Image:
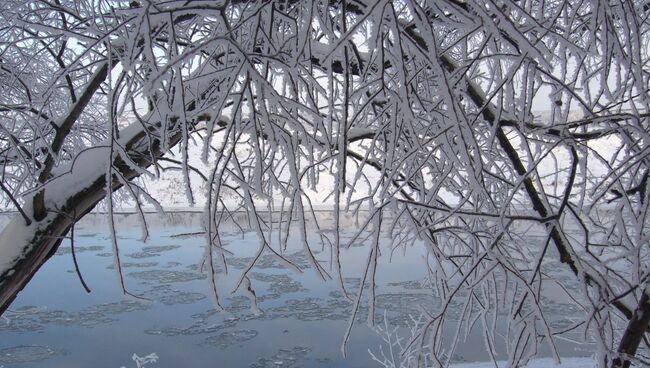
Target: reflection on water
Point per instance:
(300, 322)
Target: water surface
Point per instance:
(301, 319)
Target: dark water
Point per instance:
(55, 323)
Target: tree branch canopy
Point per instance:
(463, 127)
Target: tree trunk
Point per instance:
(35, 243)
(633, 334)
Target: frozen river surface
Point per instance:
(301, 322)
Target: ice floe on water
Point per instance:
(294, 357)
(133, 265)
(228, 338)
(167, 295)
(311, 309)
(152, 251)
(409, 285)
(200, 326)
(268, 261)
(279, 285)
(166, 276)
(26, 354)
(68, 250)
(33, 318)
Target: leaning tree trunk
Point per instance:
(67, 198)
(636, 328)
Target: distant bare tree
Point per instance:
(422, 111)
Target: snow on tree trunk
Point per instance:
(73, 192)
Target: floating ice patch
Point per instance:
(279, 285)
(26, 354)
(410, 285)
(152, 251)
(181, 297)
(134, 265)
(77, 249)
(201, 326)
(268, 261)
(166, 276)
(229, 338)
(287, 358)
(312, 309)
(32, 318)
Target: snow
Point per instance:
(402, 98)
(13, 238)
(70, 179)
